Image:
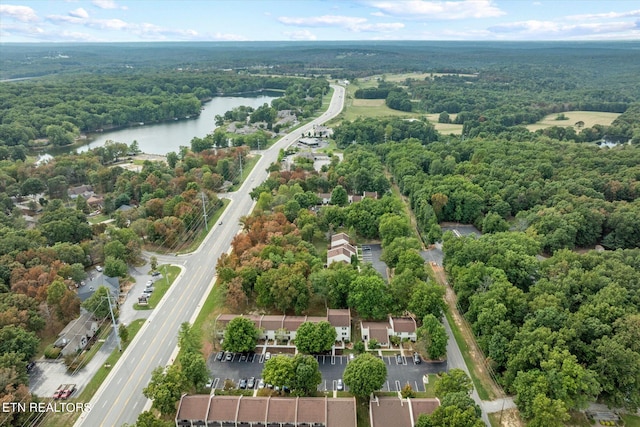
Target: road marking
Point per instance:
(119, 381)
(398, 388)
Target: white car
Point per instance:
(209, 383)
(261, 383)
(99, 269)
(340, 385)
(267, 356)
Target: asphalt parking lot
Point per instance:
(332, 367)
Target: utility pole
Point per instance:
(113, 321)
(204, 212)
(240, 159)
(258, 144)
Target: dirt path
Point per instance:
(478, 367)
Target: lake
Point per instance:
(161, 138)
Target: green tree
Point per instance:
(189, 339)
(98, 303)
(148, 419)
(427, 298)
(548, 412)
(370, 296)
(314, 338)
(279, 371)
(14, 339)
(365, 374)
(339, 196)
(153, 263)
(115, 249)
(307, 375)
(455, 381)
(241, 335)
(433, 335)
(194, 368)
(165, 388)
(115, 267)
(32, 186)
(82, 205)
(392, 226)
(123, 333)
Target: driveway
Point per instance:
(371, 254)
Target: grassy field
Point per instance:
(69, 418)
(445, 128)
(589, 118)
(631, 420)
(355, 108)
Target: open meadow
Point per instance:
(589, 118)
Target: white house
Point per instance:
(340, 319)
(401, 327)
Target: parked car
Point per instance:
(57, 393)
(398, 358)
(243, 357)
(261, 383)
(339, 385)
(99, 269)
(209, 383)
(416, 358)
(243, 383)
(267, 356)
(67, 392)
(220, 356)
(30, 366)
(155, 274)
(149, 282)
(229, 356)
(251, 382)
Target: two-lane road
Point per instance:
(119, 400)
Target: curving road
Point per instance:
(119, 400)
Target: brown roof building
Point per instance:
(236, 411)
(391, 411)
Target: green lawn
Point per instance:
(631, 420)
(161, 286)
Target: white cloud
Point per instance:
(300, 35)
(107, 4)
(350, 23)
(436, 10)
(20, 13)
(323, 21)
(379, 28)
(79, 13)
(551, 30)
(609, 15)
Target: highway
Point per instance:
(119, 400)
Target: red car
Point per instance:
(57, 393)
(67, 392)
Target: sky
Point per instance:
(40, 21)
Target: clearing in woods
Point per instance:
(589, 118)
